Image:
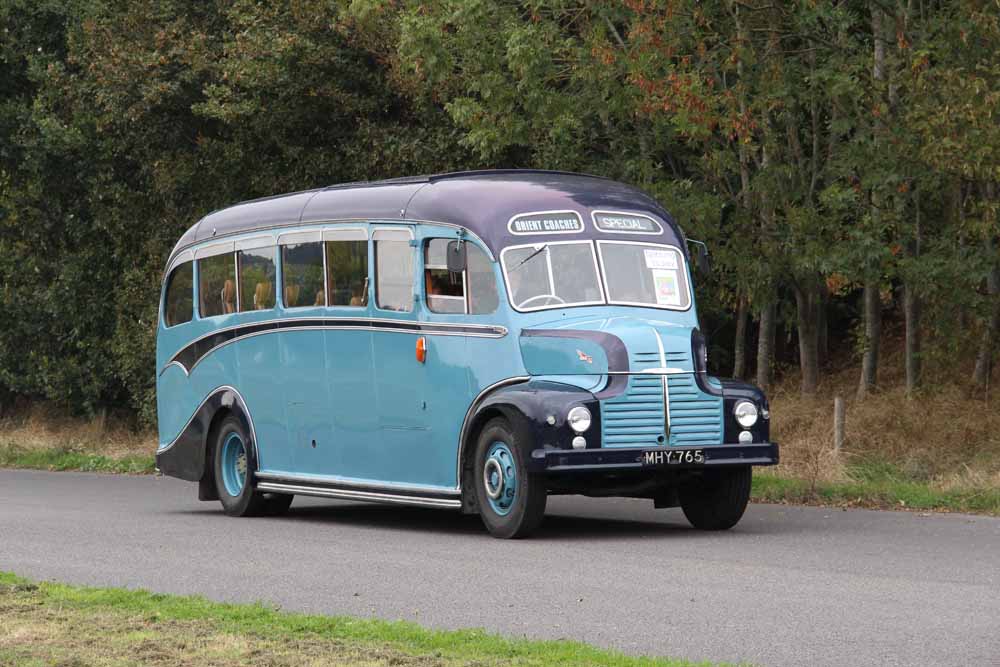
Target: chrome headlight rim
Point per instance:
(579, 419)
(746, 413)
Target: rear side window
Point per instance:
(393, 271)
(483, 297)
(256, 279)
(347, 269)
(217, 285)
(178, 306)
(302, 275)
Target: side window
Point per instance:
(445, 290)
(256, 279)
(347, 272)
(217, 285)
(393, 270)
(474, 291)
(483, 297)
(302, 275)
(178, 306)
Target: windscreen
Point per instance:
(547, 275)
(644, 274)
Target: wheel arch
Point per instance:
(188, 456)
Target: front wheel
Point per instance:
(717, 500)
(511, 500)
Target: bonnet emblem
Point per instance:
(584, 356)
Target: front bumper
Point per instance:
(614, 460)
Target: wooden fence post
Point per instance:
(838, 423)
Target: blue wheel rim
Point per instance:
(500, 478)
(234, 464)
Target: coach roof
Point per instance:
(481, 201)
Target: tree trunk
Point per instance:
(807, 302)
(765, 346)
(740, 344)
(911, 312)
(823, 335)
(873, 334)
(988, 343)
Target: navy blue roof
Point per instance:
(481, 201)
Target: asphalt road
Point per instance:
(788, 586)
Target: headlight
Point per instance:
(579, 419)
(745, 413)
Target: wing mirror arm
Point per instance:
(702, 259)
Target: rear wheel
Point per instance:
(511, 500)
(718, 499)
(234, 465)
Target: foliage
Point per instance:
(851, 143)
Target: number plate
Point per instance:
(673, 457)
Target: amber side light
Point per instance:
(421, 349)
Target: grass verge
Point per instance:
(49, 623)
(874, 487)
(12, 456)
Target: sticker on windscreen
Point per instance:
(667, 286)
(626, 223)
(547, 222)
(660, 259)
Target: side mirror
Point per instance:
(703, 261)
(456, 256)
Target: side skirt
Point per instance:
(388, 495)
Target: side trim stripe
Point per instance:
(355, 494)
(189, 356)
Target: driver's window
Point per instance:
(472, 291)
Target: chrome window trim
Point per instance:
(597, 269)
(593, 219)
(333, 221)
(576, 214)
(297, 238)
(683, 267)
(214, 250)
(345, 234)
(255, 243)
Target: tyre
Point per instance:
(718, 499)
(511, 500)
(234, 466)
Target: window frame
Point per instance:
(535, 244)
(255, 243)
(208, 252)
(683, 267)
(373, 269)
(437, 267)
(341, 235)
(295, 238)
(180, 261)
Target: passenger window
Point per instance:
(256, 279)
(302, 275)
(393, 271)
(178, 307)
(445, 290)
(347, 269)
(474, 291)
(217, 285)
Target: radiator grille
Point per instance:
(636, 419)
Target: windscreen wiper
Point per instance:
(545, 246)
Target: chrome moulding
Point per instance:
(342, 493)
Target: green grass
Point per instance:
(12, 456)
(872, 484)
(50, 623)
(876, 486)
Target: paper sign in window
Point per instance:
(660, 259)
(666, 284)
